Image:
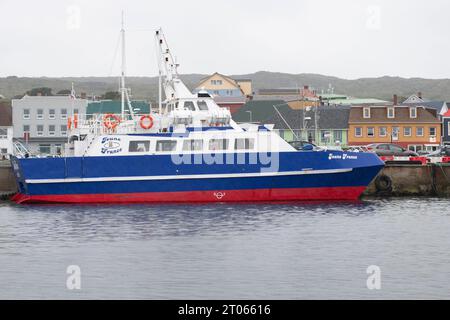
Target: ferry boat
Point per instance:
(190, 150)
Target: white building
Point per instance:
(6, 130)
(40, 122)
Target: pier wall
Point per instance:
(7, 181)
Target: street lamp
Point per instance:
(250, 114)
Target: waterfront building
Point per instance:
(223, 86)
(413, 127)
(40, 122)
(446, 128)
(6, 130)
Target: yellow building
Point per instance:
(412, 127)
(220, 85)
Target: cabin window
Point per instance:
(45, 148)
(245, 144)
(383, 131)
(413, 112)
(407, 131)
(26, 113)
(189, 105)
(202, 105)
(166, 145)
(193, 145)
(419, 131)
(218, 144)
(139, 146)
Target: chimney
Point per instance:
(306, 87)
(419, 94)
(395, 100)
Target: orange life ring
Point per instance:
(146, 126)
(69, 123)
(75, 120)
(108, 123)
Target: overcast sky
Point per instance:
(344, 38)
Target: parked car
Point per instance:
(300, 144)
(442, 152)
(389, 149)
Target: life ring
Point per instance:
(69, 123)
(383, 183)
(108, 123)
(75, 120)
(150, 123)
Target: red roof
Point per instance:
(447, 114)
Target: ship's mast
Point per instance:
(123, 90)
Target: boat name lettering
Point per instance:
(343, 156)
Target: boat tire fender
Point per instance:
(383, 183)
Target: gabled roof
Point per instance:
(227, 78)
(260, 110)
(437, 105)
(414, 98)
(5, 114)
(329, 118)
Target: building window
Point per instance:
(26, 114)
(371, 132)
(218, 144)
(26, 128)
(383, 131)
(407, 131)
(391, 112)
(448, 128)
(395, 131)
(366, 112)
(51, 130)
(337, 135)
(63, 114)
(413, 112)
(245, 144)
(358, 132)
(139, 146)
(63, 130)
(325, 135)
(432, 132)
(40, 130)
(415, 148)
(3, 133)
(4, 151)
(51, 114)
(58, 149)
(166, 145)
(40, 114)
(216, 82)
(44, 148)
(419, 131)
(193, 145)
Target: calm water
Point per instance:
(264, 251)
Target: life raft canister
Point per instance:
(149, 121)
(75, 120)
(69, 123)
(111, 124)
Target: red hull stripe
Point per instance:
(302, 194)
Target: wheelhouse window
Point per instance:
(370, 131)
(407, 131)
(40, 114)
(45, 148)
(419, 131)
(189, 105)
(192, 145)
(358, 132)
(139, 146)
(366, 112)
(391, 112)
(63, 129)
(383, 131)
(218, 144)
(202, 106)
(166, 145)
(40, 130)
(51, 130)
(413, 112)
(26, 114)
(245, 144)
(63, 113)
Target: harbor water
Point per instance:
(223, 251)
